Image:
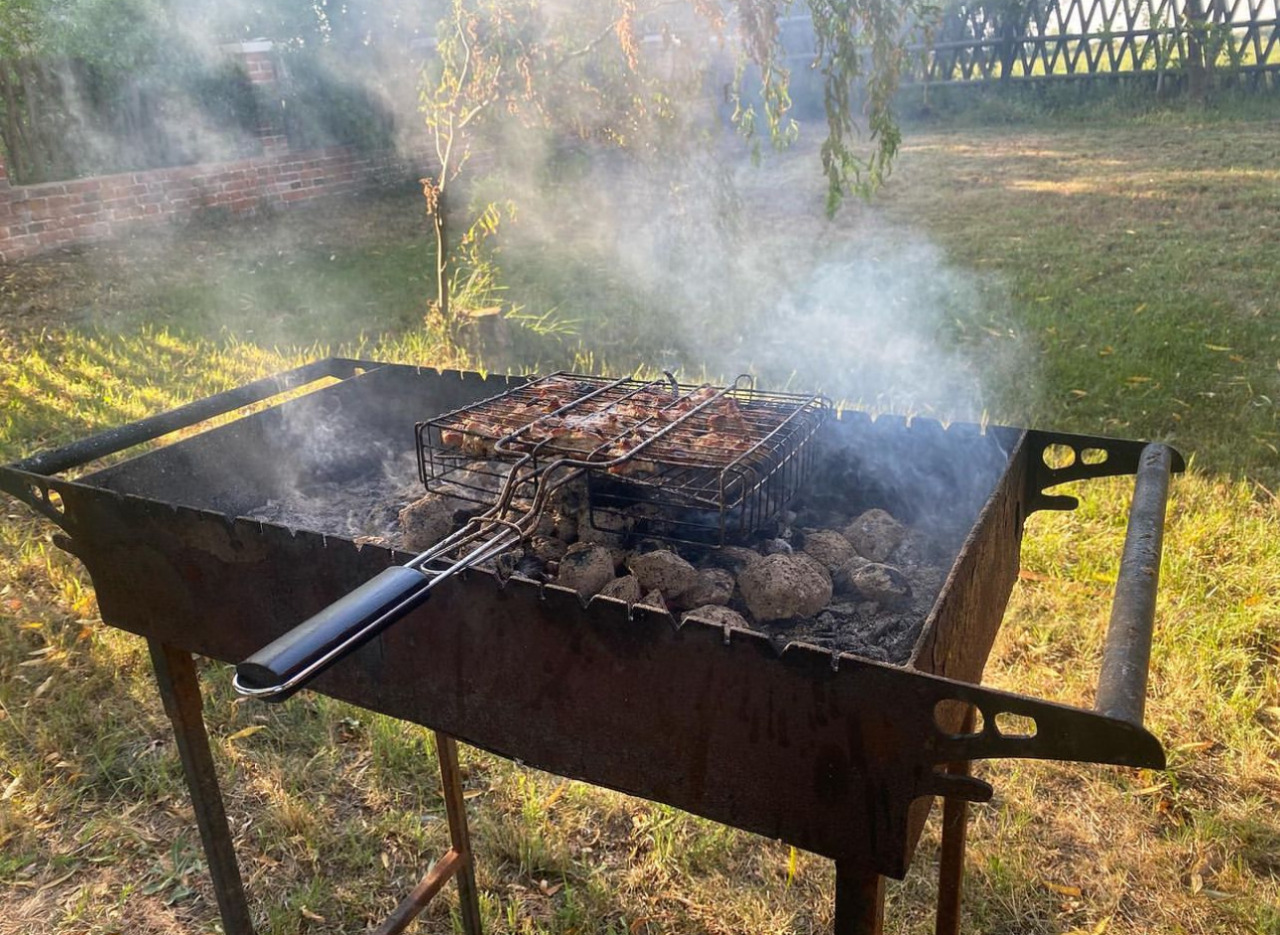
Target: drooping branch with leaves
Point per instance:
(582, 73)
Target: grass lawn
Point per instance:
(1121, 278)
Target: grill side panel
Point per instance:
(786, 746)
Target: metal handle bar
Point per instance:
(135, 433)
(1122, 683)
(1112, 732)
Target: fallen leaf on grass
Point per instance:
(550, 890)
(1060, 889)
(1194, 747)
(555, 795)
(1217, 347)
(247, 731)
(313, 916)
(44, 687)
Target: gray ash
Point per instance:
(364, 507)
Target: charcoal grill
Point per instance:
(795, 744)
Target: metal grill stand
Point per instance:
(180, 691)
(859, 902)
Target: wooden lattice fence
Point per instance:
(1013, 39)
(1041, 40)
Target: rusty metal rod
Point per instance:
(859, 900)
(955, 824)
(455, 806)
(180, 691)
(1122, 684)
(416, 901)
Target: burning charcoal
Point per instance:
(533, 568)
(547, 548)
(875, 534)
(586, 568)
(776, 547)
(734, 558)
(654, 600)
(718, 615)
(381, 541)
(883, 584)
(603, 527)
(829, 547)
(507, 563)
(843, 576)
(626, 588)
(781, 586)
(425, 522)
(663, 571)
(714, 586)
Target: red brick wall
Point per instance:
(34, 218)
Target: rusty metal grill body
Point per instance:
(833, 753)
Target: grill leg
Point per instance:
(180, 689)
(859, 900)
(455, 807)
(955, 821)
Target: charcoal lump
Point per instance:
(781, 586)
(425, 522)
(843, 576)
(547, 549)
(719, 615)
(732, 557)
(883, 584)
(875, 534)
(626, 588)
(586, 568)
(829, 547)
(654, 600)
(714, 586)
(663, 571)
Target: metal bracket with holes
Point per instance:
(1059, 458)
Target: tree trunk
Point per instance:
(442, 258)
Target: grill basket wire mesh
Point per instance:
(695, 477)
